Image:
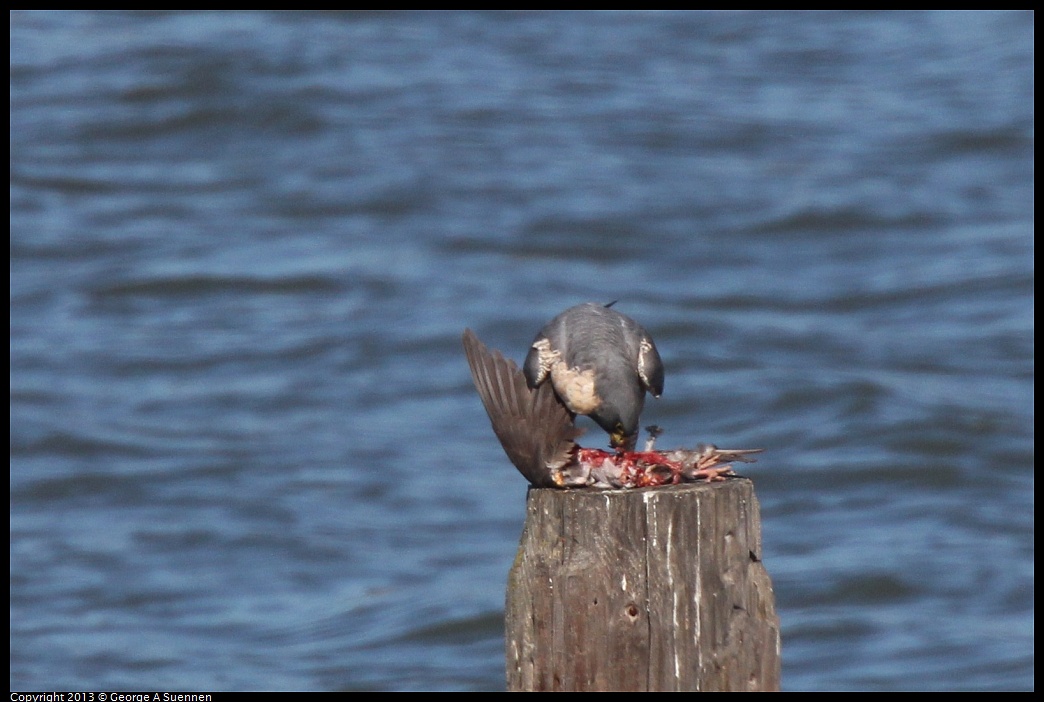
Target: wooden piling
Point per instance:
(650, 589)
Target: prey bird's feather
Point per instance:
(534, 427)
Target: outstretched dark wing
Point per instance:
(534, 427)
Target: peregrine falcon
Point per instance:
(601, 363)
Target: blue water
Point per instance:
(245, 448)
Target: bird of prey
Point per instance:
(600, 364)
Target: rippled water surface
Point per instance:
(245, 448)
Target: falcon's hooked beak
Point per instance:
(621, 441)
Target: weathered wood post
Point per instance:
(644, 589)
